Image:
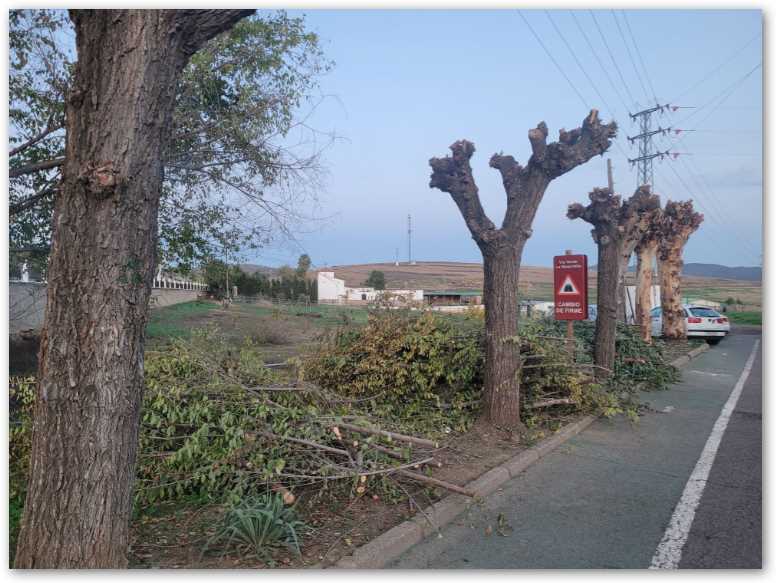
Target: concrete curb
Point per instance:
(682, 360)
(392, 543)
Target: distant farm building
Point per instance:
(453, 298)
(332, 290)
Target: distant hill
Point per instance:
(715, 271)
(251, 268)
(535, 282)
(723, 271)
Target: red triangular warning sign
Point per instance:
(568, 288)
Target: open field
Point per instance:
(535, 282)
(749, 318)
(281, 331)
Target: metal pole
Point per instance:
(570, 327)
(226, 261)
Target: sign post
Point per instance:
(570, 273)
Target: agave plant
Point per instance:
(259, 524)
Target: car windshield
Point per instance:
(704, 313)
(655, 312)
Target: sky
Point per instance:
(407, 84)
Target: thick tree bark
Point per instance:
(606, 320)
(502, 350)
(674, 323)
(646, 254)
(502, 247)
(678, 221)
(618, 227)
(87, 413)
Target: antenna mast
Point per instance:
(409, 240)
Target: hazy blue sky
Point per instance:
(408, 83)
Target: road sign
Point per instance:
(570, 287)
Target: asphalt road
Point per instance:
(606, 498)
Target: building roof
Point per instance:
(464, 292)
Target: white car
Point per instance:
(702, 322)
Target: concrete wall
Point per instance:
(27, 303)
(169, 297)
(26, 306)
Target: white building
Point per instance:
(332, 290)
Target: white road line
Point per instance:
(669, 551)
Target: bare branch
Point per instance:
(199, 26)
(49, 129)
(30, 201)
(573, 148)
(35, 167)
(453, 174)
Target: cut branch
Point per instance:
(390, 435)
(436, 482)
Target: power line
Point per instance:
(638, 53)
(709, 210)
(539, 40)
(579, 64)
(619, 72)
(711, 231)
(700, 180)
(713, 201)
(722, 96)
(630, 56)
(717, 68)
(600, 63)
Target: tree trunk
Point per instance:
(101, 267)
(501, 403)
(621, 294)
(606, 321)
(624, 259)
(674, 323)
(646, 257)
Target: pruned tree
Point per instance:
(90, 382)
(678, 221)
(617, 228)
(502, 247)
(646, 205)
(646, 254)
